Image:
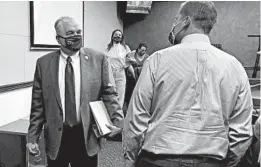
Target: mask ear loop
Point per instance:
(186, 26)
(171, 35)
(59, 36)
(188, 21)
(171, 38)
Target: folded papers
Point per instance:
(101, 118)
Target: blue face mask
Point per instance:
(177, 28)
(73, 43)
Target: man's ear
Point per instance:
(187, 21)
(57, 39)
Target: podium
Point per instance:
(13, 152)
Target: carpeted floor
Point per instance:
(111, 155)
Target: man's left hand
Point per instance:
(114, 130)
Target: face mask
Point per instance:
(73, 43)
(141, 52)
(177, 28)
(117, 39)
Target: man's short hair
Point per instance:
(62, 20)
(204, 14)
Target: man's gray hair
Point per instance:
(203, 13)
(62, 20)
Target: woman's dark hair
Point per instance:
(142, 45)
(109, 46)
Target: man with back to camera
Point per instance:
(65, 81)
(192, 105)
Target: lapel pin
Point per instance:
(86, 57)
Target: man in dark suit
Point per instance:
(65, 81)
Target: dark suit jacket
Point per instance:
(46, 108)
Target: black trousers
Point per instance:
(72, 150)
(130, 85)
(147, 159)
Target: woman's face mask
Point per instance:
(73, 43)
(117, 39)
(177, 28)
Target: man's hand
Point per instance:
(33, 148)
(114, 130)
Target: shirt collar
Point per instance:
(196, 38)
(117, 44)
(74, 56)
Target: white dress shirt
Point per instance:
(77, 75)
(117, 55)
(190, 98)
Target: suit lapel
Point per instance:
(54, 76)
(85, 73)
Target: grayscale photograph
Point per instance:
(130, 84)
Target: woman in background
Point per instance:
(117, 52)
(136, 58)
